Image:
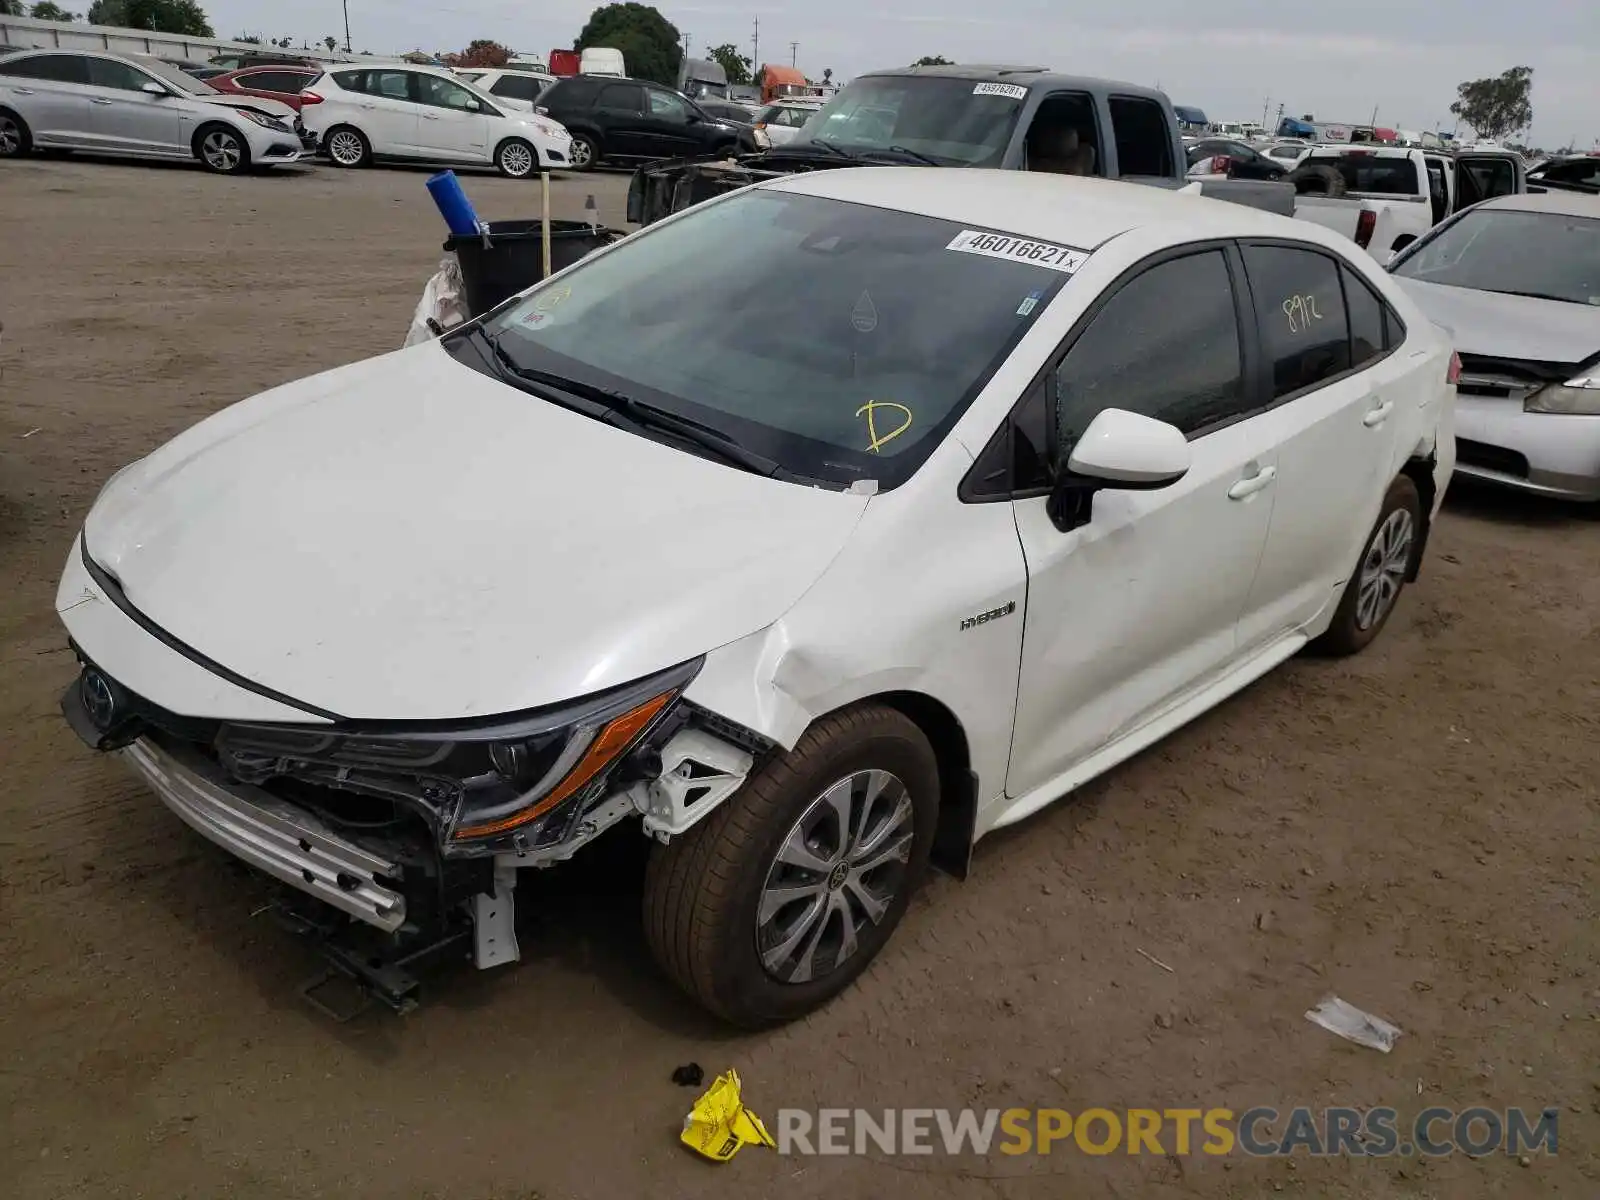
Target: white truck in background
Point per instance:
(1386, 197)
(599, 60)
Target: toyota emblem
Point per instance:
(98, 699)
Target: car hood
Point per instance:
(267, 108)
(406, 538)
(1494, 325)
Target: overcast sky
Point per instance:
(1336, 59)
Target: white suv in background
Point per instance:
(392, 111)
(513, 89)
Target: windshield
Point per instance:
(180, 80)
(839, 340)
(1552, 255)
(959, 122)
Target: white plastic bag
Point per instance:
(444, 299)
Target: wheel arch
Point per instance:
(958, 782)
(1420, 470)
(211, 123)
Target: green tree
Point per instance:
(651, 45)
(161, 16)
(11, 8)
(331, 42)
(934, 60)
(734, 65)
(1497, 106)
(45, 10)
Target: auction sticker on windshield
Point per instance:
(1011, 91)
(1039, 254)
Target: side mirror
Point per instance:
(1123, 451)
(154, 89)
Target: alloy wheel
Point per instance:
(1383, 571)
(10, 136)
(345, 148)
(579, 153)
(516, 160)
(837, 872)
(221, 150)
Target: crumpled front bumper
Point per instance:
(659, 189)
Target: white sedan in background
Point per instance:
(357, 631)
(778, 124)
(402, 113)
(1516, 280)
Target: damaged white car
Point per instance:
(815, 583)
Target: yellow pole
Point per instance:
(544, 186)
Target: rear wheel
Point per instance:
(516, 159)
(1374, 588)
(15, 140)
(347, 147)
(222, 150)
(776, 901)
(584, 153)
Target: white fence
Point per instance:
(28, 33)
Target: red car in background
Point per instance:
(278, 82)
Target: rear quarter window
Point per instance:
(351, 81)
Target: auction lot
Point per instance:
(1416, 830)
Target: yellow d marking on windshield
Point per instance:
(546, 301)
(870, 411)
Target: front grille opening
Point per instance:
(1491, 458)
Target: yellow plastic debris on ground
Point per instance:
(719, 1124)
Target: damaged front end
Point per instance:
(397, 841)
(659, 189)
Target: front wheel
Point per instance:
(775, 902)
(222, 151)
(1386, 561)
(584, 154)
(516, 159)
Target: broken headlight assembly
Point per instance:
(516, 784)
(1577, 397)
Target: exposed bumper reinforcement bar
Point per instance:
(274, 837)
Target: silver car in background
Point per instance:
(1516, 281)
(138, 106)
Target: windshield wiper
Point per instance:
(607, 402)
(909, 153)
(820, 142)
(1533, 295)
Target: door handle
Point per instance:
(430, 116)
(1378, 414)
(98, 100)
(1252, 484)
(23, 91)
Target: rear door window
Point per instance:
(60, 68)
(105, 73)
(1300, 314)
(286, 83)
(1143, 137)
(351, 81)
(622, 97)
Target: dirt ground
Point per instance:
(1415, 830)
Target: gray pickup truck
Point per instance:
(1010, 118)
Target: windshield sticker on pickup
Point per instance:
(1010, 91)
(1039, 254)
(1301, 311)
(876, 441)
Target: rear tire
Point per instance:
(1387, 560)
(516, 159)
(15, 138)
(775, 902)
(347, 147)
(222, 149)
(584, 154)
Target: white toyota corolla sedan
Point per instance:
(815, 584)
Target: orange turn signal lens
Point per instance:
(612, 740)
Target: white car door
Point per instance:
(50, 92)
(387, 113)
(1138, 606)
(125, 119)
(453, 125)
(1337, 406)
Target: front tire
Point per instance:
(15, 138)
(1386, 563)
(584, 154)
(774, 903)
(516, 159)
(222, 150)
(347, 147)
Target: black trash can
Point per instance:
(514, 258)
